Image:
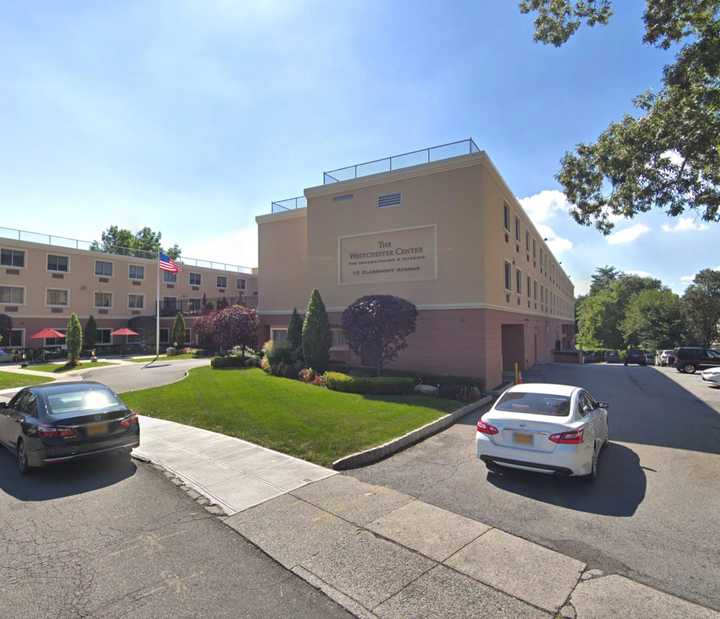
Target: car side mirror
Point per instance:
(604, 405)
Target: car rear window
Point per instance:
(534, 403)
(81, 401)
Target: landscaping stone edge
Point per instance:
(375, 454)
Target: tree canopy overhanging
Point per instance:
(668, 156)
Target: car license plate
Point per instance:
(522, 439)
(96, 429)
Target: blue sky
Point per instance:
(190, 117)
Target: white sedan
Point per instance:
(557, 429)
(712, 376)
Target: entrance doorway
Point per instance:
(513, 347)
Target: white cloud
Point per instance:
(556, 243)
(545, 205)
(237, 247)
(685, 224)
(675, 157)
(687, 279)
(627, 235)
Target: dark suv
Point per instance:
(635, 355)
(691, 358)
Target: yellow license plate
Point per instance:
(96, 429)
(522, 439)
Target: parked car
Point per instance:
(689, 359)
(63, 421)
(556, 429)
(664, 357)
(635, 355)
(649, 358)
(711, 375)
(612, 356)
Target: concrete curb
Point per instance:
(375, 454)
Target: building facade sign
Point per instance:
(402, 255)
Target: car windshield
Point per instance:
(81, 401)
(534, 404)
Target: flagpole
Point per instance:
(157, 308)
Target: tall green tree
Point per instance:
(653, 320)
(117, 240)
(316, 334)
(602, 278)
(179, 330)
(702, 307)
(90, 337)
(667, 156)
(74, 339)
(294, 333)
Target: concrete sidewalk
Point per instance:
(230, 472)
(381, 553)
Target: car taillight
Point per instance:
(574, 437)
(56, 432)
(130, 420)
(486, 428)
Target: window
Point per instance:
(16, 338)
(12, 257)
(534, 403)
(241, 284)
(12, 295)
(169, 304)
(136, 271)
(164, 335)
(278, 336)
(527, 240)
(103, 299)
(534, 248)
(535, 290)
(194, 305)
(136, 301)
(517, 228)
(221, 281)
(58, 264)
(195, 279)
(104, 337)
(528, 289)
(518, 281)
(338, 339)
(104, 269)
(169, 277)
(57, 297)
(508, 276)
(506, 216)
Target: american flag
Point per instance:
(168, 264)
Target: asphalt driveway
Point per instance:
(133, 376)
(653, 513)
(114, 538)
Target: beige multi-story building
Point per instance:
(438, 227)
(444, 233)
(43, 279)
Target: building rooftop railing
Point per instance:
(61, 241)
(289, 204)
(405, 160)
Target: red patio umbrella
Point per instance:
(45, 333)
(124, 331)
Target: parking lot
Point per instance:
(651, 515)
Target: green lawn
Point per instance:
(306, 421)
(59, 368)
(146, 358)
(8, 380)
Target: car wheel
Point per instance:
(689, 368)
(21, 458)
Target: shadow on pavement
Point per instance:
(618, 490)
(65, 479)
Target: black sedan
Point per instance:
(635, 355)
(58, 422)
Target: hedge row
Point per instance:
(233, 361)
(370, 385)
